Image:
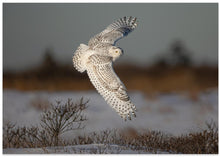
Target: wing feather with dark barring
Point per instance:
(114, 32)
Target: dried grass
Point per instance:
(151, 79)
(204, 142)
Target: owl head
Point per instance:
(115, 52)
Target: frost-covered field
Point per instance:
(174, 114)
(86, 149)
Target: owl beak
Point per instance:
(122, 51)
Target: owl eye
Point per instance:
(116, 51)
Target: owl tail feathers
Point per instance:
(79, 58)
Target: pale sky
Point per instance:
(28, 29)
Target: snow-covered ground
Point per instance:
(91, 148)
(82, 149)
(170, 113)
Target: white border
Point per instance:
(85, 1)
(110, 1)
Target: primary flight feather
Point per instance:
(97, 58)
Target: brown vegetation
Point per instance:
(204, 142)
(152, 79)
(67, 117)
(172, 70)
(55, 121)
(60, 118)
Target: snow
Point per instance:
(172, 113)
(79, 149)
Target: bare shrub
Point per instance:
(16, 137)
(8, 134)
(113, 141)
(205, 142)
(62, 118)
(54, 122)
(69, 116)
(80, 140)
(100, 137)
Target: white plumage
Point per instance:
(97, 59)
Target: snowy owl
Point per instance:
(97, 59)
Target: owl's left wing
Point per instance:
(107, 83)
(115, 31)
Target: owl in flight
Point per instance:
(97, 59)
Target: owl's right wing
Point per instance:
(115, 31)
(107, 83)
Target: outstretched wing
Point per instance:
(117, 30)
(108, 85)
